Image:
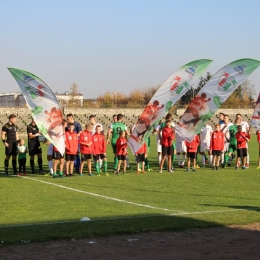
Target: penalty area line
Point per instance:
(103, 196)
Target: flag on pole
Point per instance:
(165, 97)
(212, 96)
(255, 122)
(44, 106)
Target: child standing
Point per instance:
(85, 140)
(99, 150)
(167, 148)
(242, 140)
(71, 144)
(258, 140)
(22, 150)
(216, 146)
(140, 158)
(121, 151)
(192, 148)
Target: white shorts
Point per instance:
(204, 147)
(50, 149)
(181, 147)
(159, 146)
(226, 147)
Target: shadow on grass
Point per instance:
(99, 227)
(249, 208)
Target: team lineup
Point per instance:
(217, 147)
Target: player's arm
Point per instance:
(109, 134)
(3, 138)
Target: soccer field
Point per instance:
(40, 208)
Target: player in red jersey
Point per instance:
(86, 141)
(242, 140)
(140, 158)
(258, 140)
(71, 144)
(216, 146)
(166, 139)
(99, 150)
(192, 148)
(121, 151)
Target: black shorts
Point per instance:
(99, 156)
(56, 155)
(140, 157)
(241, 152)
(70, 157)
(191, 155)
(12, 148)
(167, 150)
(121, 157)
(34, 148)
(216, 152)
(85, 156)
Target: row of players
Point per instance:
(9, 137)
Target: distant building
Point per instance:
(65, 98)
(14, 99)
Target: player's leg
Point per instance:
(39, 155)
(55, 164)
(194, 163)
(89, 168)
(6, 162)
(118, 165)
(81, 167)
(124, 166)
(32, 163)
(104, 160)
(61, 166)
(188, 163)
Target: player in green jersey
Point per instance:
(114, 130)
(231, 138)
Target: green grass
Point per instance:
(181, 200)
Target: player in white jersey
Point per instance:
(245, 129)
(205, 138)
(224, 129)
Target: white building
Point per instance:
(13, 99)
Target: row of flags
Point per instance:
(47, 113)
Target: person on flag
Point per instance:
(223, 128)
(121, 151)
(167, 138)
(99, 150)
(205, 136)
(114, 130)
(78, 130)
(245, 128)
(85, 141)
(231, 139)
(242, 139)
(216, 146)
(34, 146)
(9, 137)
(191, 152)
(71, 143)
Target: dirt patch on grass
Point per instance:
(235, 242)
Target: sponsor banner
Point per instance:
(44, 106)
(165, 97)
(213, 95)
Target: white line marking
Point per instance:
(102, 196)
(205, 212)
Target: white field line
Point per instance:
(102, 196)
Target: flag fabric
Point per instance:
(255, 122)
(165, 97)
(44, 106)
(212, 96)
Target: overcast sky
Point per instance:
(111, 45)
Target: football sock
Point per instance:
(105, 166)
(97, 167)
(6, 165)
(40, 163)
(50, 164)
(14, 165)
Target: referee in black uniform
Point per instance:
(9, 138)
(34, 146)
